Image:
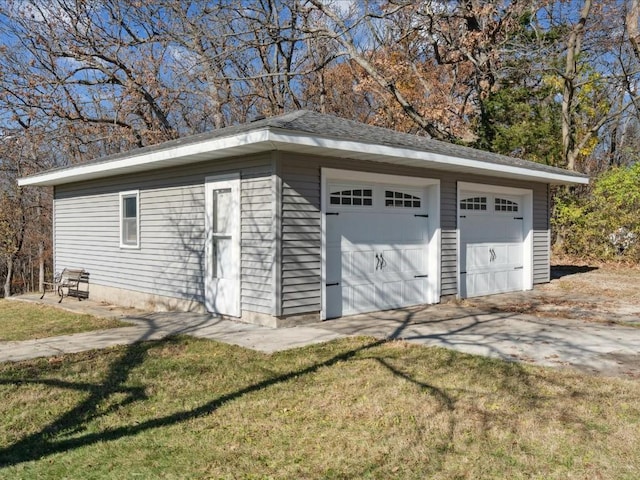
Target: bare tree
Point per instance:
(24, 212)
(87, 63)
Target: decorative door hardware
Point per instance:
(380, 261)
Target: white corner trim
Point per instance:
(323, 242)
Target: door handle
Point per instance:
(377, 261)
(383, 262)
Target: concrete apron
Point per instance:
(594, 347)
(155, 326)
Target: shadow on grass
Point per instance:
(65, 433)
(559, 271)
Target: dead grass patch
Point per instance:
(354, 408)
(24, 321)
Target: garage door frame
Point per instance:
(527, 233)
(432, 186)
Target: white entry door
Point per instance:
(222, 249)
(491, 244)
(377, 246)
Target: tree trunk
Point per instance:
(7, 281)
(633, 29)
(40, 267)
(574, 47)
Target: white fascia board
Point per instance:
(434, 159)
(139, 162)
(269, 138)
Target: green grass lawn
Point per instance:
(24, 321)
(353, 408)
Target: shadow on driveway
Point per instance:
(493, 329)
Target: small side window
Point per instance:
(129, 219)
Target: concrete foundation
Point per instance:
(160, 303)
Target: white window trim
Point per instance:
(130, 193)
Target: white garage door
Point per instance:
(376, 248)
(491, 243)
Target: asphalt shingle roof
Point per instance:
(330, 126)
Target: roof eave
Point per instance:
(269, 138)
(283, 140)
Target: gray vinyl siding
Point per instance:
(257, 240)
(170, 260)
(449, 236)
(300, 239)
(301, 228)
(541, 234)
(280, 229)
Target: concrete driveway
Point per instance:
(498, 326)
(486, 329)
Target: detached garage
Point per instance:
(302, 217)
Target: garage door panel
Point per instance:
(480, 283)
(389, 295)
(399, 229)
(500, 281)
(516, 280)
(374, 253)
(404, 260)
(335, 294)
(507, 281)
(333, 265)
(360, 298)
(351, 228)
(477, 257)
(493, 256)
(509, 254)
(358, 264)
(487, 228)
(491, 248)
(413, 292)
